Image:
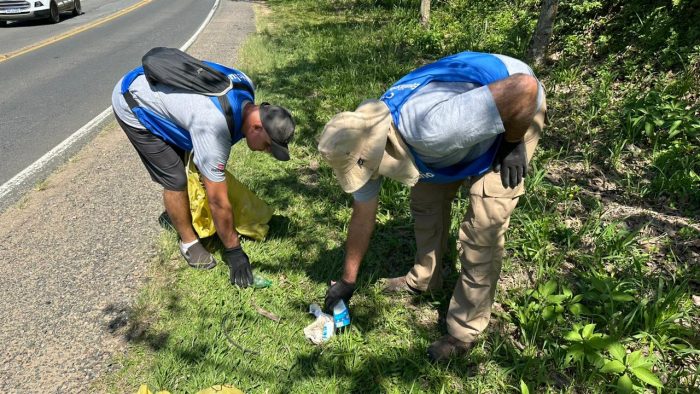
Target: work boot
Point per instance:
(447, 347)
(398, 285)
(198, 257)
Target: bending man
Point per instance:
(470, 118)
(164, 123)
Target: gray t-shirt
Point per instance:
(449, 122)
(196, 113)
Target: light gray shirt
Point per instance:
(196, 113)
(449, 122)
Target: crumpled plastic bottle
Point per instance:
(260, 282)
(322, 329)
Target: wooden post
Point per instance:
(424, 12)
(537, 51)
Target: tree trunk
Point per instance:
(537, 51)
(424, 12)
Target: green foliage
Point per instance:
(662, 120)
(586, 345)
(627, 365)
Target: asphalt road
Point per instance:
(48, 93)
(76, 251)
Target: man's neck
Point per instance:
(247, 109)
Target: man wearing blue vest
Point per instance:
(469, 119)
(164, 123)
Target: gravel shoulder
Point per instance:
(76, 249)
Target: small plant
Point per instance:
(587, 345)
(633, 369)
(555, 305)
(543, 306)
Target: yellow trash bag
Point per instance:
(250, 213)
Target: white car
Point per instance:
(18, 10)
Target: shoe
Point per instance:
(447, 347)
(165, 222)
(398, 285)
(198, 257)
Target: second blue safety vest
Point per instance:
(472, 67)
(172, 133)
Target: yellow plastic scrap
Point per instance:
(221, 389)
(250, 213)
(145, 390)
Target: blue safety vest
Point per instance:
(172, 133)
(471, 67)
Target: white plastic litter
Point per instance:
(322, 329)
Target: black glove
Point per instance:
(341, 290)
(239, 266)
(511, 162)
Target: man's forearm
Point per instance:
(516, 98)
(221, 212)
(359, 235)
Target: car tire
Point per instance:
(54, 15)
(3, 23)
(77, 9)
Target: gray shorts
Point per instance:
(163, 161)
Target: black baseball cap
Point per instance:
(279, 125)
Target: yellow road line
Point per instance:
(80, 29)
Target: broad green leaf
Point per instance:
(523, 388)
(573, 336)
(588, 330)
(648, 129)
(557, 298)
(595, 359)
(672, 132)
(567, 292)
(548, 313)
(575, 352)
(617, 351)
(647, 376)
(548, 288)
(577, 298)
(624, 384)
(613, 366)
(635, 359)
(576, 309)
(599, 341)
(622, 297)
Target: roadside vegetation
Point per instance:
(602, 263)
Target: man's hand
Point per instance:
(511, 162)
(340, 290)
(239, 266)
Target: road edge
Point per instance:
(22, 183)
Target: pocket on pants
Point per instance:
(490, 185)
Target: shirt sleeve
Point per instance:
(211, 140)
(369, 190)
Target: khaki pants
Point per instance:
(481, 240)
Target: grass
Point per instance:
(596, 289)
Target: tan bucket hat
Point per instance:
(364, 144)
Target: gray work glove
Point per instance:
(511, 162)
(341, 290)
(239, 266)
